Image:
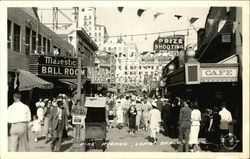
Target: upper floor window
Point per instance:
(9, 36)
(17, 34)
(27, 40)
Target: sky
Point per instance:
(128, 22)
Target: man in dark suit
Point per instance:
(58, 122)
(184, 125)
(166, 116)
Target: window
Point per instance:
(85, 17)
(139, 67)
(100, 28)
(152, 67)
(44, 45)
(100, 34)
(39, 43)
(48, 46)
(89, 22)
(89, 34)
(90, 17)
(120, 67)
(126, 72)
(131, 67)
(33, 45)
(9, 38)
(27, 41)
(17, 34)
(95, 34)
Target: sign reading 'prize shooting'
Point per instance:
(170, 43)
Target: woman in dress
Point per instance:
(195, 127)
(40, 106)
(132, 118)
(146, 107)
(119, 112)
(139, 113)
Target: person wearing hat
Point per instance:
(58, 122)
(18, 116)
(132, 112)
(154, 121)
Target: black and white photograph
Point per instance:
(136, 77)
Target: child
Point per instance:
(36, 126)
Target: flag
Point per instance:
(221, 24)
(157, 14)
(120, 9)
(235, 26)
(192, 20)
(210, 21)
(178, 16)
(140, 11)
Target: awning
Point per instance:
(28, 81)
(69, 82)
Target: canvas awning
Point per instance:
(28, 81)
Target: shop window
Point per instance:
(27, 41)
(17, 34)
(9, 37)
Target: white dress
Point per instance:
(195, 126)
(39, 112)
(119, 114)
(36, 125)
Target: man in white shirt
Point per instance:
(18, 116)
(154, 119)
(226, 118)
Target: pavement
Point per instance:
(118, 140)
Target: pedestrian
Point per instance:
(184, 125)
(166, 117)
(154, 121)
(119, 113)
(47, 125)
(58, 122)
(139, 113)
(40, 112)
(111, 117)
(36, 126)
(226, 118)
(146, 107)
(132, 112)
(195, 127)
(213, 135)
(18, 116)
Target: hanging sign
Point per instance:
(169, 43)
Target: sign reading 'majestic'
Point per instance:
(170, 43)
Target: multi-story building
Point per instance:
(87, 20)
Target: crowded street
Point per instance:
(84, 79)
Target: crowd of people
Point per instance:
(178, 117)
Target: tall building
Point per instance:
(87, 20)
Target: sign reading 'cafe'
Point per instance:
(55, 66)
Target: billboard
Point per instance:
(170, 43)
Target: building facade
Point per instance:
(212, 74)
